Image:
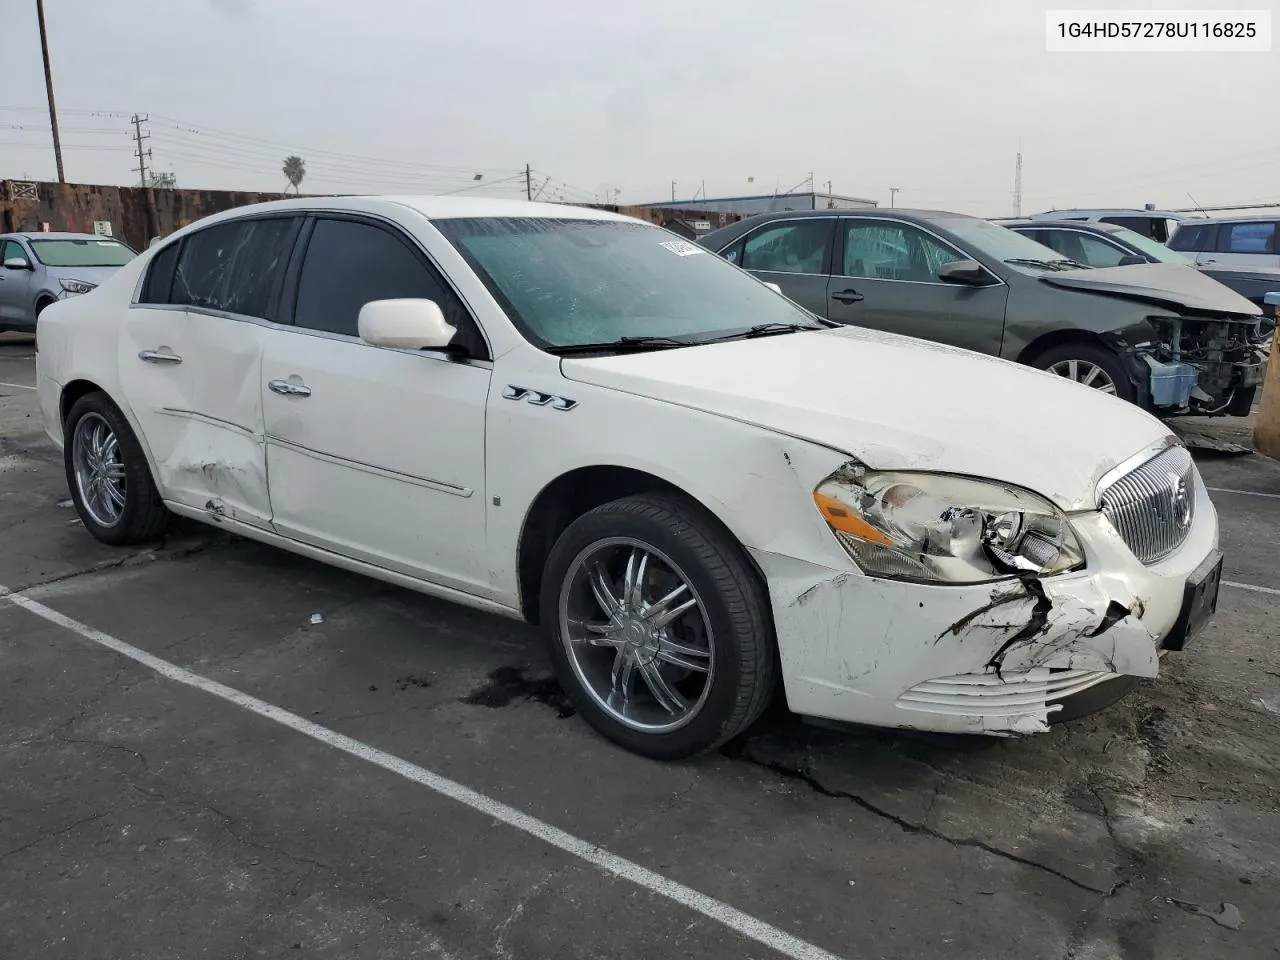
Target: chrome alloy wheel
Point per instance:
(1085, 373)
(99, 471)
(637, 635)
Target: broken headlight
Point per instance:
(945, 529)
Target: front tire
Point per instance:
(108, 475)
(1089, 365)
(657, 626)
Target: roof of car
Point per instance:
(432, 207)
(876, 213)
(1242, 218)
(1109, 212)
(53, 235)
(1097, 226)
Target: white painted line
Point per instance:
(1249, 586)
(1247, 493)
(745, 924)
(16, 385)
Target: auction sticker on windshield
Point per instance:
(682, 248)
(1158, 31)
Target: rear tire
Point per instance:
(1081, 362)
(693, 682)
(108, 475)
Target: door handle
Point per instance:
(158, 356)
(847, 296)
(285, 388)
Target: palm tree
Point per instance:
(295, 168)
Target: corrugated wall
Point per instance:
(136, 214)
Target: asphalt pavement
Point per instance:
(211, 748)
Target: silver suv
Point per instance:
(39, 268)
(1231, 241)
(1159, 225)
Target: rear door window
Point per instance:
(235, 267)
(1247, 237)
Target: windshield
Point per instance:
(81, 253)
(1000, 243)
(1152, 248)
(572, 282)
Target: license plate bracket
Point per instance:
(1199, 602)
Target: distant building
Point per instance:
(769, 203)
(689, 229)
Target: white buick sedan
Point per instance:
(700, 491)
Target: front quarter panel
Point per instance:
(1037, 309)
(757, 483)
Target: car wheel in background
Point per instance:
(1089, 365)
(658, 628)
(108, 474)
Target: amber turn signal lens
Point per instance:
(839, 517)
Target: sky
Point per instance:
(618, 100)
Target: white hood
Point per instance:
(899, 403)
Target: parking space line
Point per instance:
(1250, 586)
(742, 923)
(1247, 493)
(18, 386)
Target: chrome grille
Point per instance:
(1154, 506)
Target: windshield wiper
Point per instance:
(766, 330)
(1023, 261)
(621, 345)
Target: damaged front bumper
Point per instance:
(996, 658)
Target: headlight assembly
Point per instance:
(944, 529)
(76, 286)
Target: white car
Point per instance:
(698, 489)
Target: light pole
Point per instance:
(893, 193)
(48, 85)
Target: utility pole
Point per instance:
(138, 137)
(48, 85)
(1017, 186)
(528, 182)
(893, 193)
(673, 191)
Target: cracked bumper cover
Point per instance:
(985, 658)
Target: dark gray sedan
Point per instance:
(1159, 335)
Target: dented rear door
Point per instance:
(227, 285)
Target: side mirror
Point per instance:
(405, 325)
(1131, 260)
(16, 263)
(968, 272)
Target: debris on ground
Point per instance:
(317, 618)
(1228, 914)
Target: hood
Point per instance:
(95, 275)
(1169, 285)
(898, 403)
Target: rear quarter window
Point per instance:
(159, 282)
